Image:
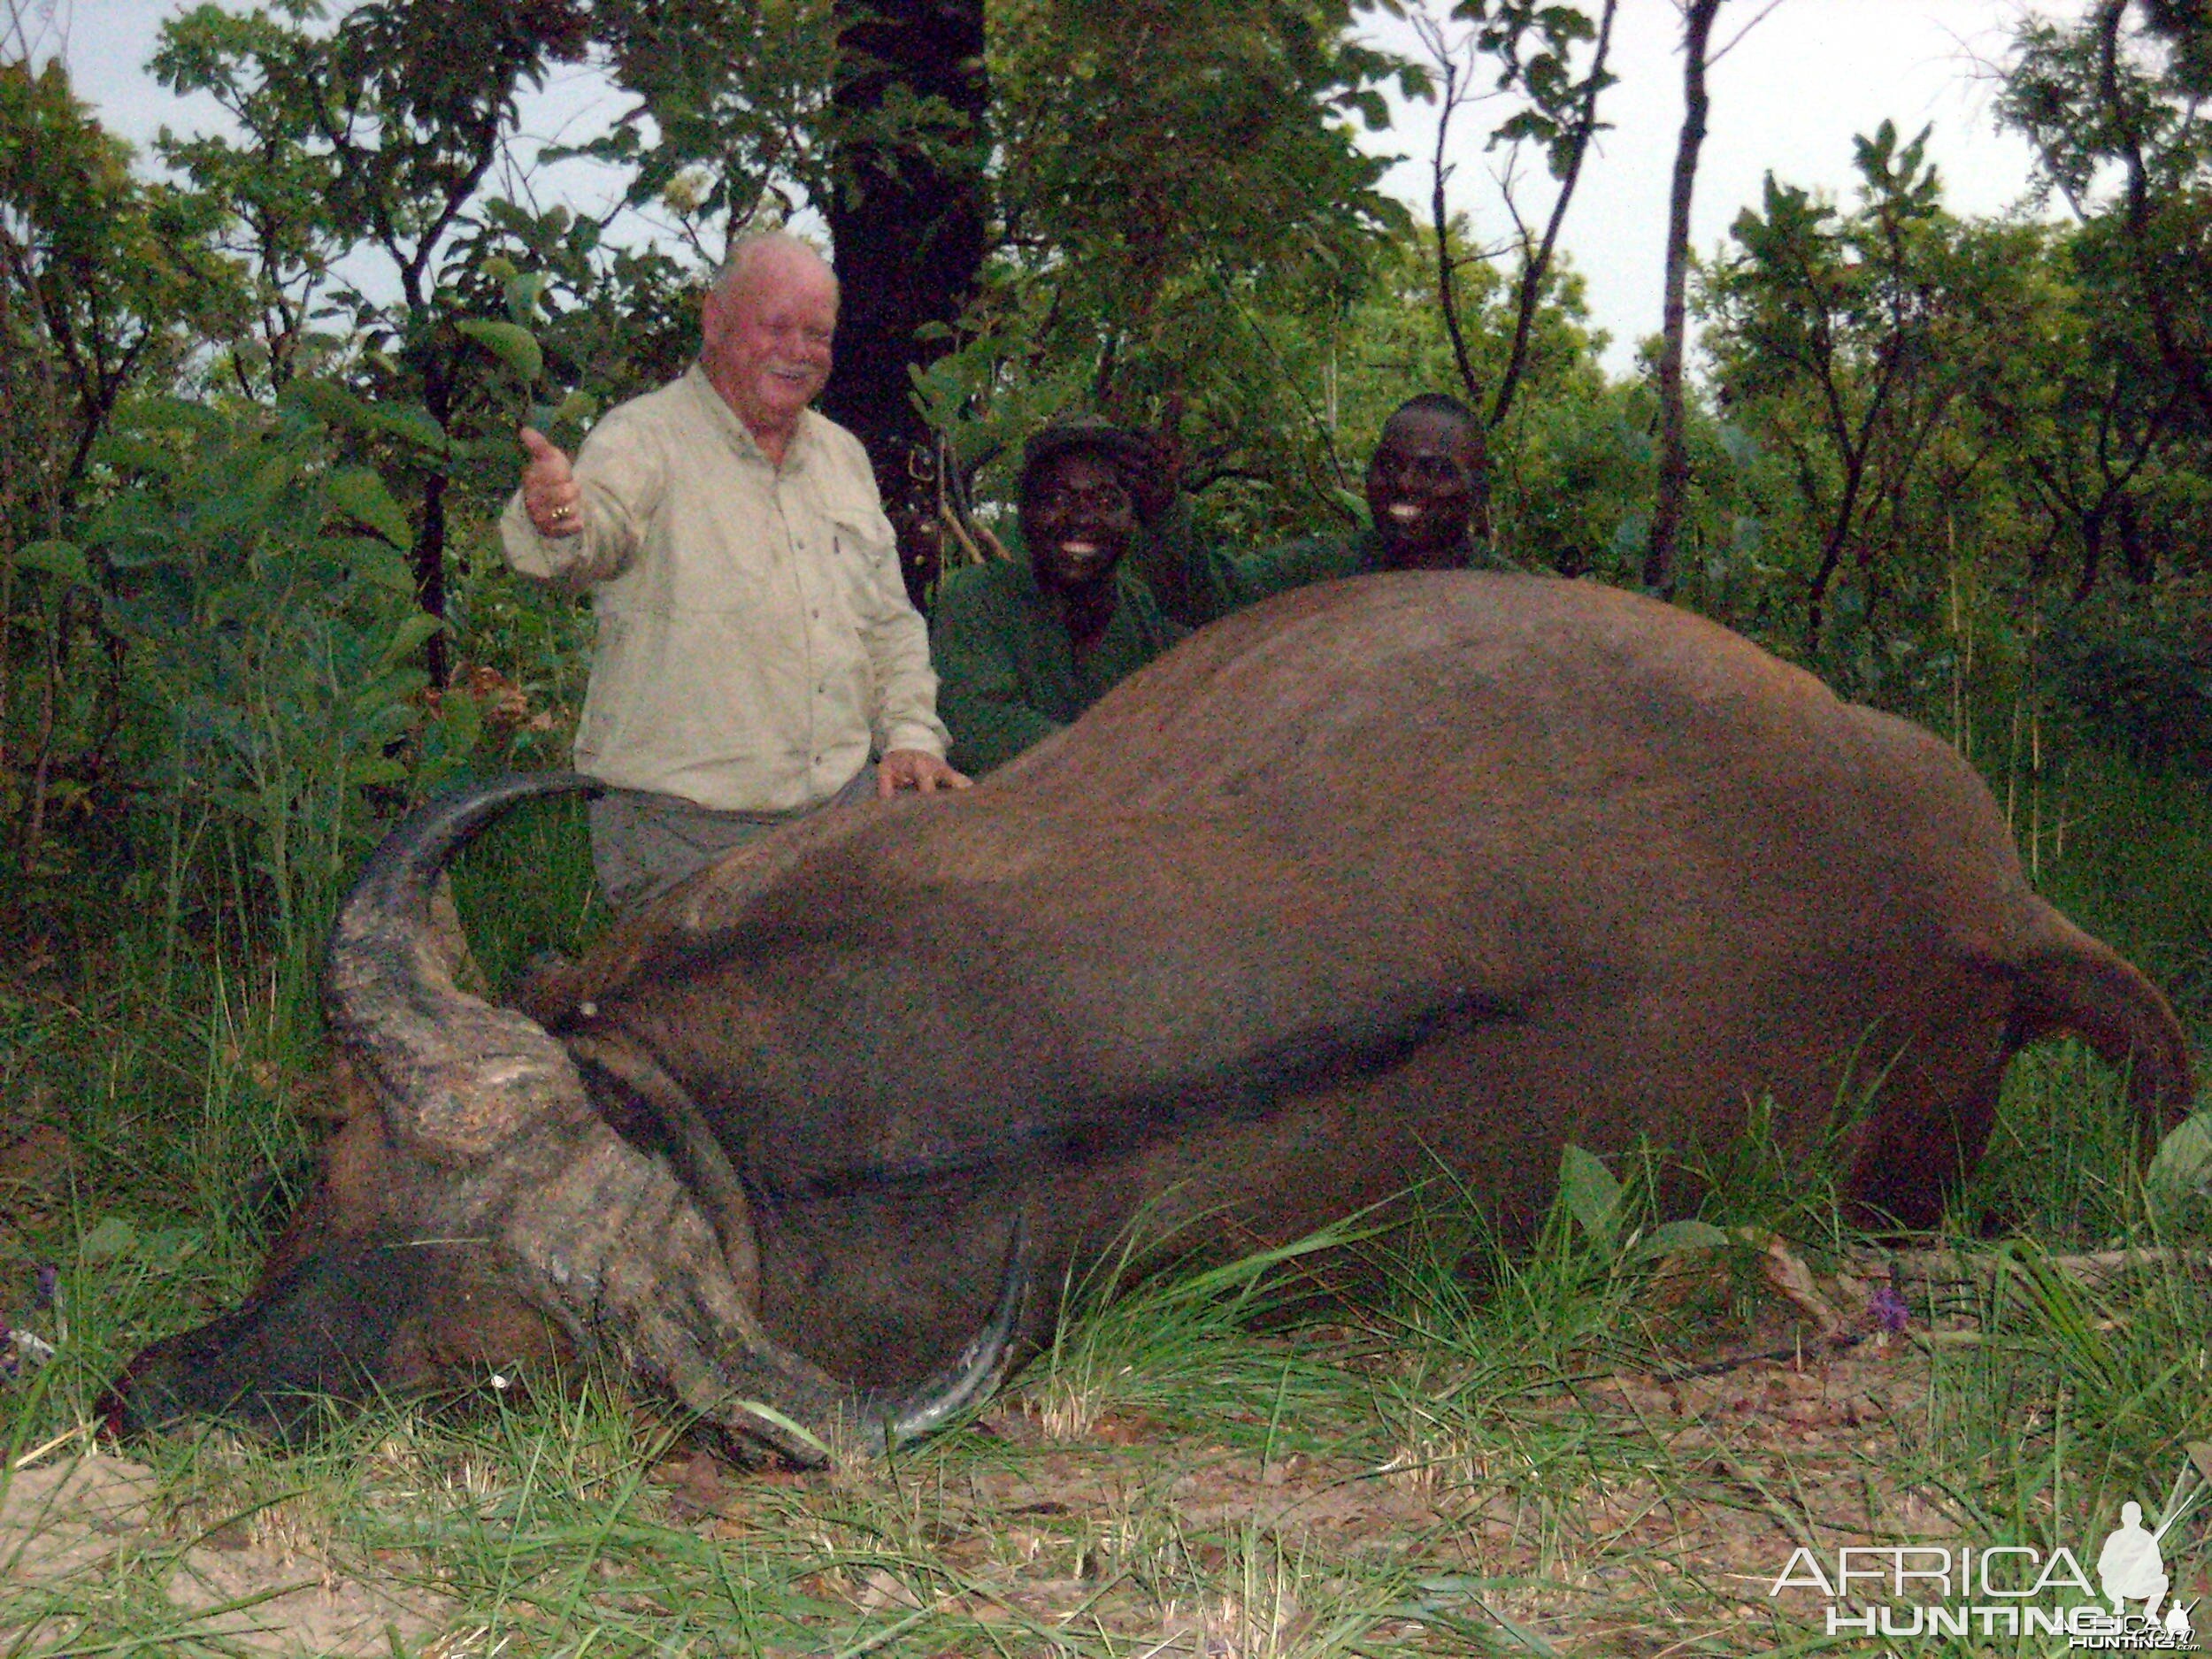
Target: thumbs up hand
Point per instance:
(549, 491)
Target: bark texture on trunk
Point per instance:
(907, 215)
(1660, 552)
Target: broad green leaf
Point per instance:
(64, 560)
(408, 637)
(2184, 1157)
(375, 562)
(2183, 1166)
(375, 769)
(128, 453)
(360, 494)
(330, 401)
(511, 343)
(1593, 1196)
(1671, 1238)
(411, 422)
(576, 410)
(114, 1237)
(523, 293)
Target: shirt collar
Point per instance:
(725, 419)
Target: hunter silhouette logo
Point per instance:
(2131, 1568)
(1936, 1590)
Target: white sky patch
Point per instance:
(1788, 98)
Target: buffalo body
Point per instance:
(1381, 878)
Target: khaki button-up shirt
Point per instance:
(755, 639)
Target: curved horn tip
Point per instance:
(976, 1375)
(871, 1427)
(419, 845)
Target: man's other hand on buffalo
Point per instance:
(918, 770)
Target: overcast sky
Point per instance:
(1787, 98)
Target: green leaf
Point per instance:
(114, 1237)
(2184, 1164)
(360, 494)
(523, 293)
(408, 637)
(1593, 1196)
(377, 564)
(2184, 1157)
(128, 453)
(411, 422)
(511, 343)
(329, 401)
(375, 769)
(64, 560)
(1673, 1238)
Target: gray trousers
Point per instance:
(642, 844)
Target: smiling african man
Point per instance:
(1420, 498)
(1024, 645)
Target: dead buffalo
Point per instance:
(1384, 873)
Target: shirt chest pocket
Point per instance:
(861, 552)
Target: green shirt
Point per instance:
(1008, 675)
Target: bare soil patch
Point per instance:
(78, 1535)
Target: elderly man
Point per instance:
(1420, 496)
(755, 643)
(1026, 644)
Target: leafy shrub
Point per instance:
(265, 621)
(2135, 664)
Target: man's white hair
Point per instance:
(748, 252)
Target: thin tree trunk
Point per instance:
(1447, 302)
(50, 696)
(430, 577)
(1660, 555)
(2137, 551)
(1854, 450)
(908, 222)
(1534, 269)
(429, 551)
(2092, 552)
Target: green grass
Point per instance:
(1489, 1451)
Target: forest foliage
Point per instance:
(259, 387)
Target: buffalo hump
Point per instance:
(1381, 876)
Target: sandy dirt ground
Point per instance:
(1580, 1549)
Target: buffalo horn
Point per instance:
(598, 1233)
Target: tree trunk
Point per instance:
(1448, 303)
(2137, 551)
(1536, 265)
(908, 220)
(1659, 554)
(437, 656)
(2092, 551)
(428, 558)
